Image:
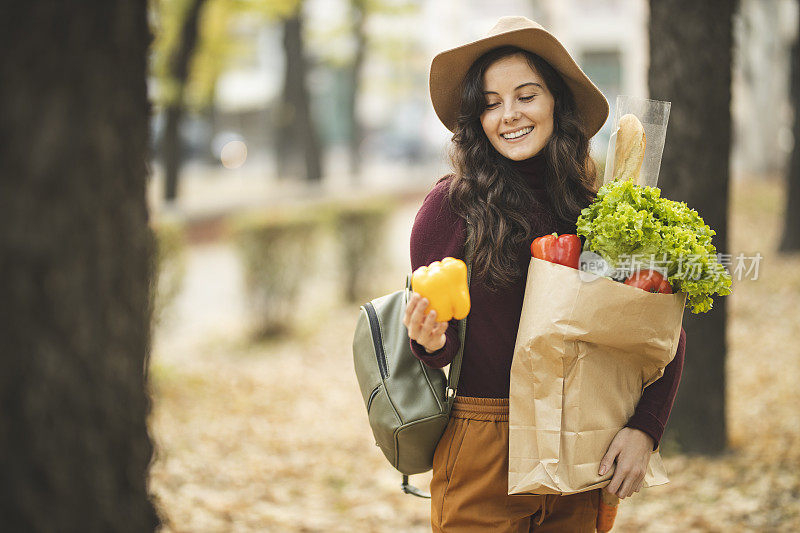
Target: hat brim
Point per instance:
(448, 69)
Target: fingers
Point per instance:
(608, 460)
(607, 464)
(410, 319)
(614, 486)
(632, 485)
(626, 489)
(416, 315)
(421, 327)
(638, 483)
(625, 483)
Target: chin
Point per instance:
(521, 155)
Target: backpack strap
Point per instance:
(455, 366)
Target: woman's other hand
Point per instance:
(630, 449)
(426, 330)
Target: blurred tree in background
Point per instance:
(193, 44)
(790, 242)
(342, 49)
(360, 12)
(691, 47)
(298, 144)
(184, 19)
(75, 266)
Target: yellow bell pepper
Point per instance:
(444, 284)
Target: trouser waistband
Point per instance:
(472, 408)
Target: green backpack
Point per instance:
(408, 403)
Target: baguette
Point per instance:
(629, 149)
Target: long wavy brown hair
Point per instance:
(492, 196)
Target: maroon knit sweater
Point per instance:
(438, 232)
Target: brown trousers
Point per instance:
(469, 489)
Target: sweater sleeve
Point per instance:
(654, 407)
(437, 233)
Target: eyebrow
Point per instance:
(517, 87)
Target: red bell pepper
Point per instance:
(564, 250)
(649, 280)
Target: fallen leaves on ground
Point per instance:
(274, 437)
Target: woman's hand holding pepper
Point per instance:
(421, 328)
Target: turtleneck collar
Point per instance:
(532, 169)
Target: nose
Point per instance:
(511, 114)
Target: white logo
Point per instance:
(592, 266)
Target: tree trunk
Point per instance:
(790, 241)
(297, 143)
(171, 142)
(172, 150)
(690, 65)
(356, 133)
(75, 268)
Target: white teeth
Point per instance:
(516, 134)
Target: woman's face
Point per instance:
(518, 118)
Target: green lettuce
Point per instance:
(627, 219)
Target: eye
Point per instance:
(527, 98)
(491, 106)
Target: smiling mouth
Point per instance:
(517, 134)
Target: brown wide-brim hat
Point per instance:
(448, 69)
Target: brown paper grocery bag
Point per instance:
(586, 347)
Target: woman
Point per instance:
(522, 119)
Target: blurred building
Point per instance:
(762, 110)
(608, 38)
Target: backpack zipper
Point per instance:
(372, 396)
(377, 341)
